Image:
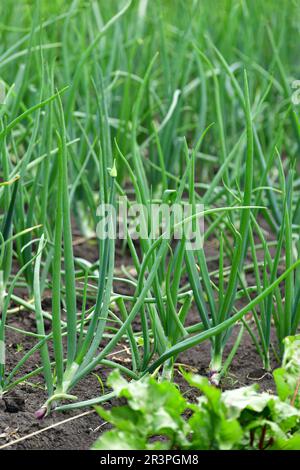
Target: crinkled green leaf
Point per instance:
(237, 419)
(282, 385)
(211, 429)
(212, 393)
(287, 415)
(123, 417)
(292, 443)
(147, 394)
(118, 440)
(203, 434)
(162, 421)
(230, 434)
(153, 408)
(287, 377)
(243, 398)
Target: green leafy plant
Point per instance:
(143, 83)
(157, 416)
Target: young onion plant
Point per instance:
(157, 296)
(12, 190)
(161, 304)
(282, 308)
(57, 166)
(83, 333)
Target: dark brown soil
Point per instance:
(17, 408)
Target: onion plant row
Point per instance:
(161, 112)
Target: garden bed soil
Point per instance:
(19, 429)
(17, 409)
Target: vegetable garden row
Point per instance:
(156, 102)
